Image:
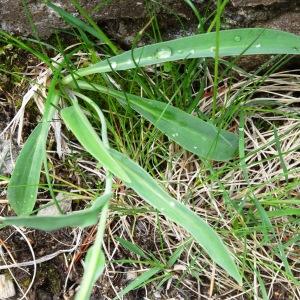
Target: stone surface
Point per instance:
(240, 3)
(65, 205)
(124, 18)
(7, 289)
(277, 14)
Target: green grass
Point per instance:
(249, 200)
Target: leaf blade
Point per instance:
(150, 191)
(78, 123)
(233, 42)
(83, 218)
(192, 133)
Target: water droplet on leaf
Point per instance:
(258, 46)
(163, 53)
(212, 49)
(237, 38)
(113, 64)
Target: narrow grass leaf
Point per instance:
(100, 262)
(283, 212)
(139, 281)
(131, 247)
(150, 190)
(94, 31)
(79, 124)
(95, 261)
(199, 137)
(83, 218)
(234, 42)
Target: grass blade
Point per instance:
(150, 191)
(83, 218)
(132, 247)
(233, 42)
(192, 133)
(136, 283)
(79, 124)
(95, 30)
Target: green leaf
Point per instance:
(24, 182)
(94, 265)
(132, 247)
(150, 190)
(96, 31)
(99, 262)
(23, 185)
(138, 282)
(197, 136)
(83, 218)
(233, 42)
(79, 124)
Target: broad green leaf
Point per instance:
(150, 190)
(138, 282)
(83, 218)
(199, 137)
(23, 185)
(232, 43)
(79, 124)
(24, 182)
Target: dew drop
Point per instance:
(237, 38)
(212, 49)
(172, 204)
(296, 49)
(113, 64)
(192, 52)
(195, 147)
(175, 134)
(163, 53)
(179, 51)
(258, 46)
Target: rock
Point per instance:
(276, 14)
(7, 288)
(122, 18)
(256, 2)
(14, 20)
(13, 17)
(6, 159)
(65, 205)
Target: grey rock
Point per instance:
(240, 3)
(65, 205)
(7, 288)
(116, 13)
(276, 14)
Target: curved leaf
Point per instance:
(149, 190)
(79, 124)
(83, 218)
(232, 43)
(197, 136)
